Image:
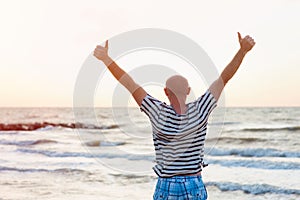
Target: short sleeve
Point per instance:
(151, 106)
(206, 103)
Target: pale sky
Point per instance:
(43, 44)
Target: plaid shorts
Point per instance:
(180, 188)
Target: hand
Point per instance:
(246, 43)
(100, 52)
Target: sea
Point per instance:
(108, 153)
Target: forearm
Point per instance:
(120, 75)
(233, 66)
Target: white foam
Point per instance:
(256, 189)
(254, 152)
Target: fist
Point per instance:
(100, 52)
(246, 43)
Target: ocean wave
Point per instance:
(255, 189)
(259, 164)
(131, 178)
(49, 125)
(236, 140)
(56, 154)
(98, 143)
(60, 170)
(285, 119)
(271, 129)
(87, 154)
(254, 152)
(223, 123)
(27, 142)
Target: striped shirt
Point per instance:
(178, 138)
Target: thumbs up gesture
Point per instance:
(101, 52)
(246, 43)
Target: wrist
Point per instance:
(243, 51)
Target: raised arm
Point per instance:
(246, 44)
(137, 91)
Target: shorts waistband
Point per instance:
(180, 178)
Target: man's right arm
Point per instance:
(136, 90)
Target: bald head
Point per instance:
(177, 85)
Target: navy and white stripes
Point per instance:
(179, 138)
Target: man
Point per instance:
(179, 129)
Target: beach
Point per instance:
(48, 153)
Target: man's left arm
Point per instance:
(246, 44)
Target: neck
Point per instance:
(178, 105)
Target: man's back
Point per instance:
(179, 138)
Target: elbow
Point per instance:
(224, 80)
(131, 86)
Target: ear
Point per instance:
(188, 91)
(166, 91)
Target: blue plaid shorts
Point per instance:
(180, 188)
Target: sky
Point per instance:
(44, 44)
